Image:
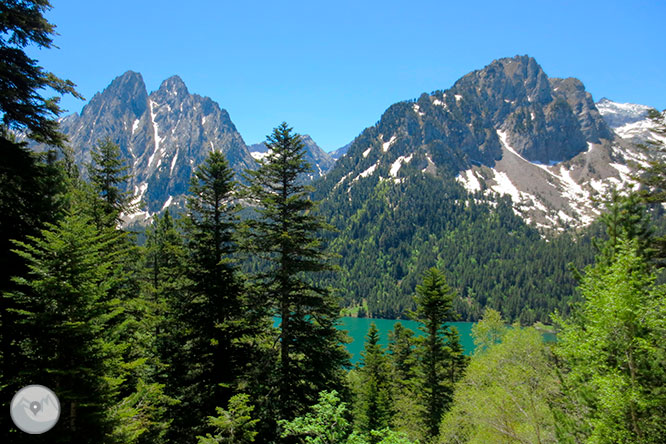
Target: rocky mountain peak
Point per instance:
(516, 81)
(126, 94)
(175, 86)
(163, 136)
(506, 129)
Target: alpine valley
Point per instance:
(496, 180)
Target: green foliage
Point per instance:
(373, 410)
(32, 189)
(653, 176)
(22, 24)
(326, 423)
(614, 356)
(285, 236)
(488, 331)
(107, 174)
(625, 217)
(442, 361)
(653, 185)
(234, 425)
(505, 394)
(64, 312)
(204, 300)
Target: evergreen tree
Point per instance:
(433, 308)
(22, 80)
(30, 185)
(32, 189)
(373, 411)
(64, 312)
(162, 332)
(625, 217)
(211, 314)
(401, 354)
(285, 235)
(108, 175)
(234, 425)
(407, 411)
(653, 181)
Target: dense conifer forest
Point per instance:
(175, 340)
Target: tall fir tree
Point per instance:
(286, 235)
(211, 316)
(64, 313)
(108, 175)
(32, 190)
(373, 411)
(407, 412)
(141, 402)
(29, 185)
(625, 217)
(652, 178)
(439, 348)
(401, 354)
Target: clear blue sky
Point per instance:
(330, 69)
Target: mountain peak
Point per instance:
(174, 85)
(127, 78)
(125, 94)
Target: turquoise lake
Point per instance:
(357, 329)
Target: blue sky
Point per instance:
(330, 69)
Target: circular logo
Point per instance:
(35, 409)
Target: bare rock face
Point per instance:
(163, 136)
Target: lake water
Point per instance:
(357, 329)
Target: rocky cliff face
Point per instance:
(163, 136)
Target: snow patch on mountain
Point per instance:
(387, 145)
(469, 180)
(395, 167)
(156, 136)
(173, 161)
(505, 186)
(369, 172)
(167, 203)
(258, 155)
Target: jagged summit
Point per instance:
(163, 135)
(507, 129)
(174, 85)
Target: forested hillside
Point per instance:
(389, 234)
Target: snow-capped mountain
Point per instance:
(629, 121)
(505, 129)
(163, 136)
